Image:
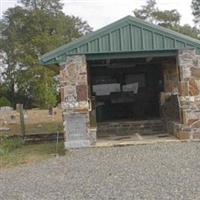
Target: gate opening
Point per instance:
(126, 89)
(126, 94)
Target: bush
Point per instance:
(4, 102)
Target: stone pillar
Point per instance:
(169, 105)
(189, 94)
(75, 103)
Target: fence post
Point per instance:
(21, 111)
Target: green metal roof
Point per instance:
(127, 35)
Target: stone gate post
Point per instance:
(75, 103)
(189, 93)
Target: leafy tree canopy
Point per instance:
(30, 30)
(49, 6)
(4, 102)
(167, 18)
(146, 11)
(196, 11)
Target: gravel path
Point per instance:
(158, 171)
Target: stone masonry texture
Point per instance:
(181, 79)
(75, 104)
(189, 90)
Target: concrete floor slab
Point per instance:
(135, 140)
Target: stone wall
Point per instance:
(180, 101)
(170, 108)
(189, 91)
(170, 78)
(75, 103)
(169, 98)
(127, 128)
(36, 121)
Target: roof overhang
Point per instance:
(129, 36)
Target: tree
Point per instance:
(196, 11)
(30, 30)
(48, 6)
(4, 102)
(187, 30)
(44, 87)
(167, 18)
(2, 65)
(151, 13)
(9, 43)
(146, 11)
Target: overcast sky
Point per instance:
(99, 13)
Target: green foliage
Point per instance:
(38, 84)
(30, 30)
(167, 18)
(10, 144)
(1, 27)
(146, 11)
(196, 11)
(151, 13)
(49, 6)
(187, 30)
(26, 154)
(44, 88)
(4, 102)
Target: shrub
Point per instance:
(4, 102)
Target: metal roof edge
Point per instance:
(163, 29)
(85, 37)
(128, 53)
(130, 19)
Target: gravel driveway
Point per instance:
(158, 171)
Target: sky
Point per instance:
(99, 13)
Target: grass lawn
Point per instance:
(13, 152)
(30, 129)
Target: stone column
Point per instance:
(169, 97)
(75, 103)
(189, 93)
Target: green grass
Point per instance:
(13, 152)
(41, 128)
(52, 127)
